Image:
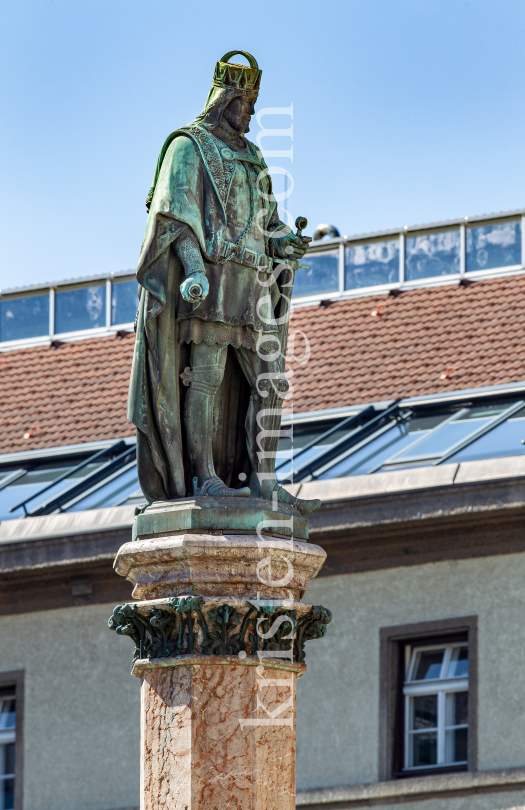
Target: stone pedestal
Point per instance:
(219, 633)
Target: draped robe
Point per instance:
(195, 181)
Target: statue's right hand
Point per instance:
(195, 288)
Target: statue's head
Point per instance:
(239, 112)
(233, 94)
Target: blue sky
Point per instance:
(404, 112)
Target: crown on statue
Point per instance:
(238, 77)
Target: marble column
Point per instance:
(219, 631)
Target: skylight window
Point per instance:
(124, 301)
(401, 438)
(80, 308)
(495, 245)
(24, 316)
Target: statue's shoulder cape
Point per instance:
(217, 157)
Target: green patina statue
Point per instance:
(215, 276)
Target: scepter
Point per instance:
(293, 264)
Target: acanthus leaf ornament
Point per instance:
(185, 626)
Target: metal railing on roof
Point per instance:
(419, 256)
(367, 264)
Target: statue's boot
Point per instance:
(306, 507)
(203, 382)
(263, 427)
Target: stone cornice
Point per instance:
(141, 665)
(464, 513)
(413, 789)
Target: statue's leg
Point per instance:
(268, 387)
(204, 378)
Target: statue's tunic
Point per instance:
(205, 186)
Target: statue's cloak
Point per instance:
(190, 194)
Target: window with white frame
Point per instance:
(436, 693)
(7, 747)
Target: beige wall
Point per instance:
(81, 724)
(82, 705)
(338, 698)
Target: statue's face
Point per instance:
(239, 112)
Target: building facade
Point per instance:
(408, 418)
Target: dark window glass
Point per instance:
(456, 745)
(429, 665)
(322, 275)
(425, 711)
(8, 713)
(458, 667)
(7, 793)
(80, 308)
(495, 245)
(372, 264)
(431, 254)
(124, 301)
(9, 758)
(457, 708)
(25, 317)
(424, 748)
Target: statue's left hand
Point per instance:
(291, 246)
(195, 288)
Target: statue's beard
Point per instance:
(240, 123)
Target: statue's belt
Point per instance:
(246, 257)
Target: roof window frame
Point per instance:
(109, 328)
(402, 233)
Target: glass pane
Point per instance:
(482, 411)
(458, 667)
(124, 301)
(322, 275)
(424, 748)
(29, 484)
(372, 264)
(440, 441)
(429, 665)
(303, 434)
(9, 758)
(495, 245)
(431, 254)
(25, 317)
(424, 711)
(504, 440)
(426, 423)
(284, 468)
(135, 498)
(456, 745)
(114, 492)
(457, 709)
(7, 713)
(372, 454)
(80, 308)
(7, 794)
(298, 457)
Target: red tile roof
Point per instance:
(77, 392)
(477, 332)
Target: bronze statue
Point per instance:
(215, 276)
